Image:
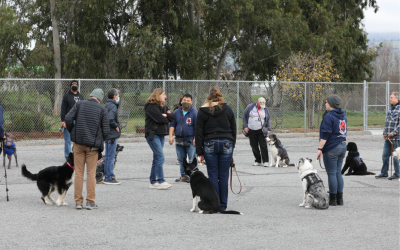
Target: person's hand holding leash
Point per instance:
(171, 140)
(246, 130)
(201, 157)
(319, 154)
(63, 125)
(390, 135)
(165, 115)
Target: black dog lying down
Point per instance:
(201, 186)
(354, 163)
(58, 178)
(100, 165)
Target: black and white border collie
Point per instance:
(202, 187)
(54, 178)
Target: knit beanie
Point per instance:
(334, 101)
(73, 81)
(98, 93)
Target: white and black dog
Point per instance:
(202, 187)
(55, 178)
(396, 153)
(313, 187)
(278, 152)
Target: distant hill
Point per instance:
(377, 37)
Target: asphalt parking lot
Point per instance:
(132, 216)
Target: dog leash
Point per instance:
(391, 157)
(319, 160)
(233, 166)
(4, 165)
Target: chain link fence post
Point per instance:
(238, 106)
(305, 107)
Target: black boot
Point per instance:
(339, 199)
(332, 199)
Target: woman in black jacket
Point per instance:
(215, 139)
(158, 117)
(111, 141)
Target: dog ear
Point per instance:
(194, 161)
(185, 161)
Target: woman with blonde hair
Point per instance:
(158, 117)
(215, 139)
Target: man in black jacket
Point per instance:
(68, 101)
(111, 141)
(88, 133)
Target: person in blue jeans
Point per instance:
(215, 140)
(113, 135)
(332, 146)
(391, 132)
(70, 98)
(184, 128)
(158, 117)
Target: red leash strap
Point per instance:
(233, 166)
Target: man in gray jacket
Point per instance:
(88, 133)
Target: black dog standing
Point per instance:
(354, 162)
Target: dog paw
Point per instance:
(201, 211)
(285, 166)
(277, 166)
(301, 205)
(308, 207)
(65, 204)
(192, 210)
(58, 203)
(48, 204)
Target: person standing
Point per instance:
(88, 133)
(111, 141)
(184, 128)
(68, 101)
(215, 140)
(391, 132)
(158, 116)
(332, 146)
(257, 124)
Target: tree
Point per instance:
(304, 67)
(387, 64)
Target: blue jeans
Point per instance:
(109, 159)
(157, 145)
(182, 152)
(386, 158)
(67, 143)
(333, 161)
(218, 155)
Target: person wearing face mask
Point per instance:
(68, 101)
(257, 125)
(184, 128)
(113, 135)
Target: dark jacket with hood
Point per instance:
(188, 121)
(112, 109)
(333, 129)
(219, 125)
(68, 102)
(155, 121)
(92, 124)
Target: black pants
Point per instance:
(257, 142)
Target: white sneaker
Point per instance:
(266, 164)
(155, 185)
(257, 164)
(164, 185)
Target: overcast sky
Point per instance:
(387, 19)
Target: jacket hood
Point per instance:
(217, 110)
(338, 113)
(112, 101)
(147, 104)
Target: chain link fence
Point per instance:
(32, 106)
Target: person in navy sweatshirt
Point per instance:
(184, 128)
(332, 146)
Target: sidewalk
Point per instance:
(132, 216)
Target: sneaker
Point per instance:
(177, 163)
(111, 182)
(266, 164)
(393, 178)
(183, 179)
(155, 185)
(256, 164)
(79, 206)
(380, 176)
(164, 185)
(91, 206)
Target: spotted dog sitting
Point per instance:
(278, 152)
(313, 187)
(354, 162)
(100, 165)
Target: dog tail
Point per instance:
(229, 212)
(28, 174)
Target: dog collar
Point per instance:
(194, 171)
(70, 166)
